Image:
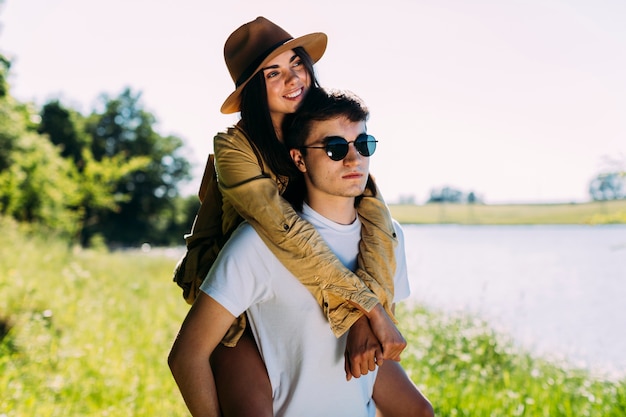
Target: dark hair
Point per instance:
(257, 122)
(318, 106)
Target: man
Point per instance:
(305, 361)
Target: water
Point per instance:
(560, 291)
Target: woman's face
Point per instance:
(286, 81)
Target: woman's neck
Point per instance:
(277, 122)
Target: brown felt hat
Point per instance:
(253, 45)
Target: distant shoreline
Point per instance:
(593, 213)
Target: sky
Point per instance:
(516, 101)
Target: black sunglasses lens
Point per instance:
(337, 148)
(365, 145)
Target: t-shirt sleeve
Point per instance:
(401, 278)
(234, 281)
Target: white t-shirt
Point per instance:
(304, 360)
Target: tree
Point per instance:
(611, 183)
(108, 174)
(35, 181)
(445, 195)
(7, 128)
(608, 186)
(63, 129)
(452, 195)
(124, 129)
(5, 65)
(177, 221)
(96, 181)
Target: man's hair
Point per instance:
(319, 105)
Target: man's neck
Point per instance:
(337, 209)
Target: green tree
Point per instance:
(177, 221)
(108, 174)
(5, 64)
(8, 130)
(611, 183)
(97, 183)
(63, 129)
(124, 129)
(608, 186)
(35, 181)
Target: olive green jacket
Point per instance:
(251, 191)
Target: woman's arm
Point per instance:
(396, 395)
(377, 258)
(254, 194)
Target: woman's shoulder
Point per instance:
(232, 136)
(234, 144)
(234, 132)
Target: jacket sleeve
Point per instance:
(376, 259)
(255, 195)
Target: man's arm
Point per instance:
(201, 331)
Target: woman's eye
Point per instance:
(271, 74)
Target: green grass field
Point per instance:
(606, 212)
(86, 333)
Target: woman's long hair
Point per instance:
(257, 122)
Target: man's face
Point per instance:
(325, 177)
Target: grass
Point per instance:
(86, 333)
(468, 369)
(605, 212)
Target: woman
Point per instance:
(273, 72)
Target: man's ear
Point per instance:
(298, 159)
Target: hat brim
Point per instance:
(313, 43)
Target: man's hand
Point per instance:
(386, 332)
(363, 352)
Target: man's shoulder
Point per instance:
(246, 245)
(398, 228)
(245, 233)
(246, 250)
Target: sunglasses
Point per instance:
(336, 147)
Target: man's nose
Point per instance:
(353, 156)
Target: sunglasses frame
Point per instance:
(361, 146)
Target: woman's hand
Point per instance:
(363, 351)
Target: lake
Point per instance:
(559, 291)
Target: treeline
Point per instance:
(102, 178)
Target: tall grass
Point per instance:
(600, 212)
(86, 333)
(468, 369)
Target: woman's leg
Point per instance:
(396, 395)
(243, 387)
